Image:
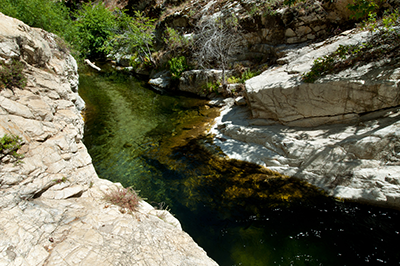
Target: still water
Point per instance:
(240, 213)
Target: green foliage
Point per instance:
(134, 35)
(390, 20)
(385, 25)
(123, 197)
(177, 65)
(9, 145)
(52, 16)
(95, 26)
(174, 40)
(320, 67)
(363, 8)
(233, 79)
(11, 75)
(248, 74)
(213, 86)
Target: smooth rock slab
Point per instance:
(280, 96)
(360, 162)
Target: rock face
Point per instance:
(359, 162)
(340, 134)
(52, 212)
(279, 95)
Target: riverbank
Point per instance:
(52, 206)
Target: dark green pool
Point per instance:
(241, 214)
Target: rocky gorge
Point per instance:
(339, 132)
(52, 207)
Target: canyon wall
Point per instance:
(51, 201)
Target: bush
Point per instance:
(52, 16)
(177, 66)
(11, 75)
(248, 74)
(9, 145)
(362, 8)
(123, 197)
(95, 25)
(174, 40)
(134, 35)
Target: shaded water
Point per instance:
(240, 213)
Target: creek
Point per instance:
(240, 213)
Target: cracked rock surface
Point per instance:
(51, 207)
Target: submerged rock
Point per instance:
(51, 204)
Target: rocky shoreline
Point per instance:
(52, 211)
(339, 133)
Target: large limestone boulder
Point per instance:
(280, 96)
(51, 206)
(358, 162)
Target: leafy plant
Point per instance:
(95, 25)
(123, 197)
(362, 8)
(213, 86)
(385, 45)
(11, 75)
(233, 79)
(177, 66)
(174, 40)
(248, 74)
(9, 145)
(134, 35)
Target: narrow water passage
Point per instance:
(241, 214)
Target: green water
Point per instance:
(240, 213)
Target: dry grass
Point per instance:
(123, 197)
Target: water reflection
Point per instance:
(240, 213)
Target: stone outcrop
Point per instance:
(280, 95)
(52, 212)
(359, 162)
(340, 133)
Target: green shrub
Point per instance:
(248, 74)
(213, 86)
(363, 8)
(52, 16)
(11, 75)
(123, 197)
(134, 35)
(174, 40)
(9, 145)
(233, 79)
(177, 66)
(95, 25)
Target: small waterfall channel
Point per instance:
(240, 213)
